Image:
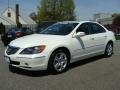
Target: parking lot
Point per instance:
(97, 73)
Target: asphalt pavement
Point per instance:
(97, 73)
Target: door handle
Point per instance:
(105, 36)
(92, 38)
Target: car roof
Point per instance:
(77, 22)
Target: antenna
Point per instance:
(8, 5)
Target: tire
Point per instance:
(5, 43)
(109, 49)
(58, 61)
(11, 68)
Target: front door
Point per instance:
(84, 45)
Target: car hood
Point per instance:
(34, 40)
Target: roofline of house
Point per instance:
(9, 21)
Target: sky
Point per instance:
(84, 8)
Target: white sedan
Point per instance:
(59, 45)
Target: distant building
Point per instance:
(103, 18)
(10, 16)
(102, 15)
(107, 20)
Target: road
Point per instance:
(96, 73)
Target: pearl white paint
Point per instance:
(79, 47)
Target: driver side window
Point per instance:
(84, 28)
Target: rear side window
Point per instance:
(28, 31)
(97, 28)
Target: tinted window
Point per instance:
(25, 30)
(28, 31)
(97, 28)
(85, 28)
(12, 30)
(59, 29)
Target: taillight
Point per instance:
(18, 34)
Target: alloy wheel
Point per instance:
(60, 61)
(109, 50)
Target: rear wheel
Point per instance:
(58, 62)
(109, 50)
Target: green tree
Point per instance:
(33, 16)
(56, 10)
(116, 20)
(115, 15)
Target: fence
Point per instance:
(30, 26)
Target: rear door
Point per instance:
(99, 35)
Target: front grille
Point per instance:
(12, 50)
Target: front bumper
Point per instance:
(36, 63)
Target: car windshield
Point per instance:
(59, 29)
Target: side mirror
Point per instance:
(79, 34)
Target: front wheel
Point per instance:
(58, 61)
(109, 50)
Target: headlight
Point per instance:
(33, 50)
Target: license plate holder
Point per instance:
(9, 36)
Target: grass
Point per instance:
(117, 37)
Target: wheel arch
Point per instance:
(110, 41)
(62, 48)
(58, 48)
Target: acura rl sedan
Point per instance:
(59, 45)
